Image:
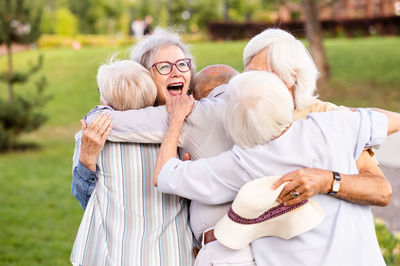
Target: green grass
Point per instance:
(39, 217)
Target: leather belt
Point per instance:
(209, 236)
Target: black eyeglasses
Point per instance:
(165, 67)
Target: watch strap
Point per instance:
(335, 184)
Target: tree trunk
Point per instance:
(10, 73)
(225, 9)
(314, 36)
(7, 28)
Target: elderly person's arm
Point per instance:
(216, 180)
(85, 157)
(178, 108)
(370, 186)
(144, 125)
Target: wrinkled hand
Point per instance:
(307, 182)
(179, 107)
(93, 139)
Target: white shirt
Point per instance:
(331, 140)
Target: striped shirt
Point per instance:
(127, 221)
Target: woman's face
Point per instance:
(175, 83)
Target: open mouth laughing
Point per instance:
(175, 88)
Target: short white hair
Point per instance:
(289, 59)
(144, 51)
(259, 107)
(125, 85)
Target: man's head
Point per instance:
(259, 108)
(125, 85)
(278, 51)
(211, 77)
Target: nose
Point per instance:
(175, 72)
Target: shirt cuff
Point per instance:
(86, 174)
(165, 176)
(379, 129)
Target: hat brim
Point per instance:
(300, 220)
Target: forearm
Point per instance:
(365, 188)
(147, 125)
(168, 146)
(370, 186)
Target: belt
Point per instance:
(208, 237)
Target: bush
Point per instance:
(389, 243)
(21, 115)
(51, 41)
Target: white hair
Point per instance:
(289, 59)
(144, 51)
(259, 107)
(125, 85)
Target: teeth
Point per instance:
(175, 85)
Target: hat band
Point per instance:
(269, 214)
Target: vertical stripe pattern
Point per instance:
(127, 221)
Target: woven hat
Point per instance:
(255, 213)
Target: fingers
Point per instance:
(180, 106)
(105, 134)
(104, 127)
(83, 123)
(100, 123)
(296, 200)
(288, 197)
(280, 181)
(186, 157)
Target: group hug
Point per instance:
(179, 168)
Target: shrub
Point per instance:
(21, 115)
(389, 243)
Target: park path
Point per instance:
(389, 157)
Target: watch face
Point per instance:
(336, 186)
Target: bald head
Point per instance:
(211, 77)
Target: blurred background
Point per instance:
(49, 54)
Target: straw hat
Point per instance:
(255, 213)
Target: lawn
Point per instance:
(39, 217)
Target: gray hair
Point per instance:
(144, 51)
(289, 59)
(125, 85)
(259, 107)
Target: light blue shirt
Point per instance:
(332, 141)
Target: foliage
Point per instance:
(66, 23)
(19, 21)
(50, 41)
(389, 243)
(21, 115)
(113, 17)
(81, 9)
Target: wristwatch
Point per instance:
(335, 184)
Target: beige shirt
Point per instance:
(317, 107)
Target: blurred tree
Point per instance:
(314, 37)
(66, 23)
(204, 11)
(81, 10)
(19, 23)
(313, 32)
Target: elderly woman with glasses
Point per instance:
(142, 226)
